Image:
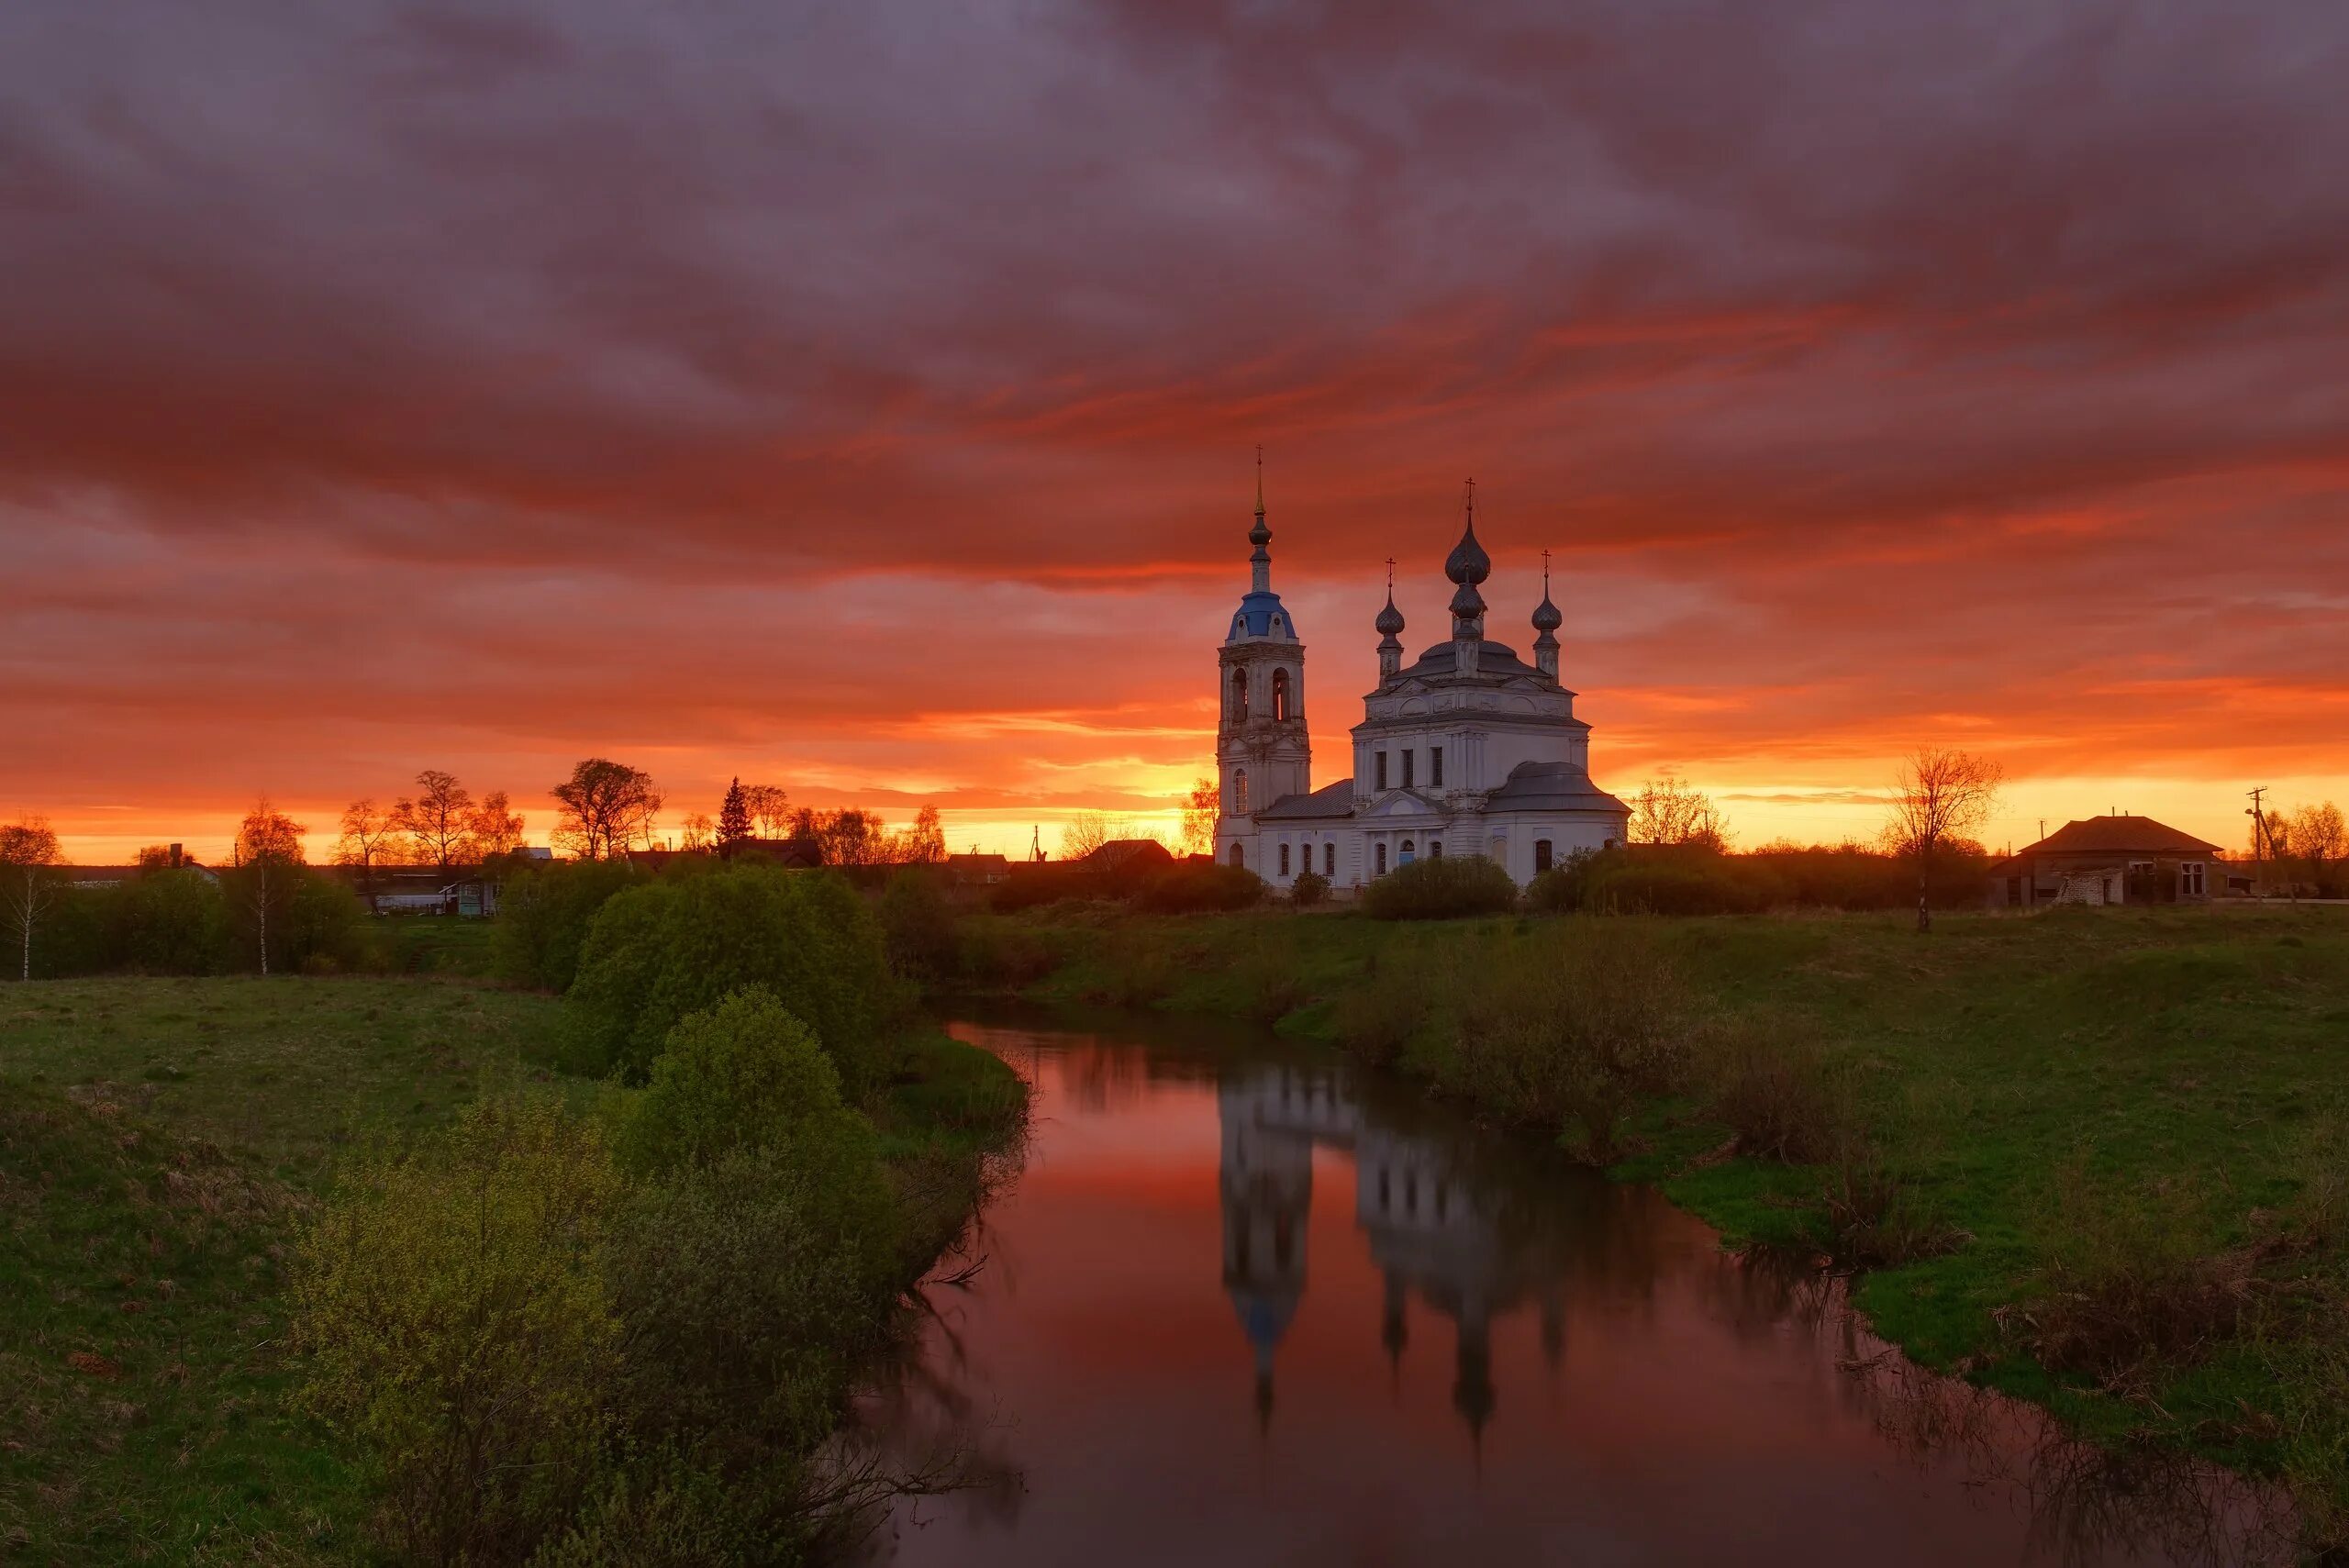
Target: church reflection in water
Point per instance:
(1438, 1220)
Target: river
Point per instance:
(1240, 1305)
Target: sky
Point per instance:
(863, 397)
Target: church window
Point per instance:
(1382, 770)
(1407, 768)
(1280, 695)
(1240, 696)
(1409, 852)
(1380, 860)
(1284, 860)
(1240, 792)
(1541, 853)
(1238, 857)
(1608, 844)
(1329, 859)
(1435, 849)
(1435, 765)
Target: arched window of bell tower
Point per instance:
(1281, 704)
(1240, 696)
(1240, 792)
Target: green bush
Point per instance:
(747, 1077)
(453, 1308)
(918, 926)
(1443, 887)
(169, 922)
(1568, 1027)
(1198, 889)
(543, 916)
(315, 923)
(1310, 889)
(661, 949)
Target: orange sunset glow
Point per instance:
(869, 406)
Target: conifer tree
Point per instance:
(734, 817)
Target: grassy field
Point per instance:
(161, 1142)
(2141, 1089)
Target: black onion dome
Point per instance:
(1546, 617)
(1390, 619)
(1467, 602)
(1468, 563)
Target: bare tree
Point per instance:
(1200, 809)
(1087, 831)
(1939, 795)
(29, 858)
(769, 806)
(923, 844)
(2319, 841)
(495, 827)
(371, 836)
(699, 830)
(603, 806)
(1667, 811)
(269, 843)
(437, 818)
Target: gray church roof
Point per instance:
(1330, 800)
(1551, 786)
(1491, 659)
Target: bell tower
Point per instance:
(1260, 749)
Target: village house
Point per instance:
(2109, 860)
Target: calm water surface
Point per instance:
(1239, 1306)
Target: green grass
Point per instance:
(2176, 1059)
(161, 1142)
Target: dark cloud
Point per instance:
(1896, 367)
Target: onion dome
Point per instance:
(1546, 618)
(1390, 619)
(1468, 563)
(1467, 604)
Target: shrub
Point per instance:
(747, 1077)
(917, 926)
(1565, 1030)
(1442, 888)
(1310, 889)
(1198, 889)
(454, 1311)
(994, 952)
(171, 922)
(661, 949)
(744, 1309)
(1565, 888)
(1875, 1220)
(1376, 1018)
(1776, 1094)
(2130, 1278)
(543, 916)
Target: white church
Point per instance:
(1467, 751)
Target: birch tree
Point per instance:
(269, 850)
(29, 878)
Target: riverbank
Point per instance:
(164, 1144)
(2121, 1133)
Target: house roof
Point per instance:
(2118, 836)
(1330, 800)
(1126, 851)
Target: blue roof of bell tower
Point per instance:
(1262, 614)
